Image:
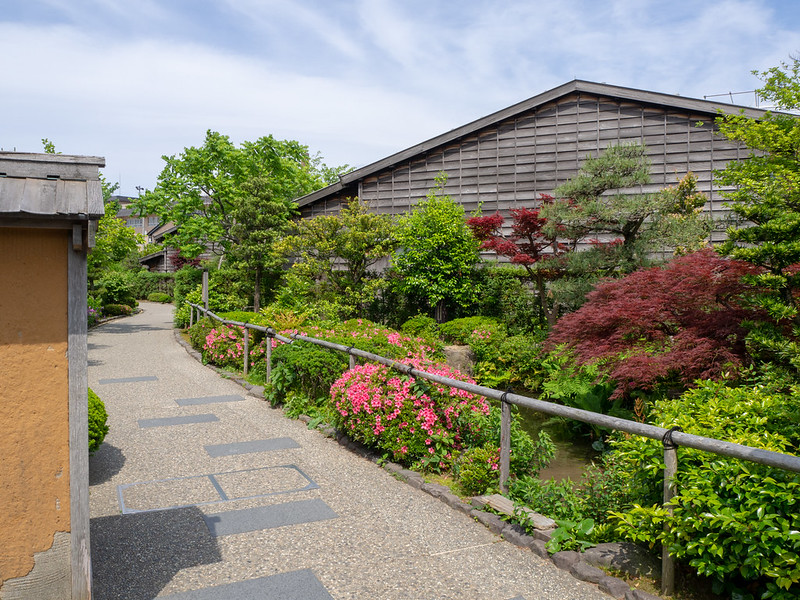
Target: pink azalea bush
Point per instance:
(417, 422)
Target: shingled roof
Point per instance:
(648, 98)
(50, 185)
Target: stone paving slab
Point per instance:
(183, 420)
(268, 517)
(297, 585)
(128, 379)
(284, 443)
(209, 400)
(213, 488)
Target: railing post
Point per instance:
(269, 355)
(352, 358)
(670, 470)
(246, 349)
(505, 443)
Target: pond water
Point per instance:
(573, 451)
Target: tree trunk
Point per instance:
(440, 312)
(257, 290)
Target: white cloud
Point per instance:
(355, 79)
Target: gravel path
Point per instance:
(199, 485)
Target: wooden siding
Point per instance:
(510, 163)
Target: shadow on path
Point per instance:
(135, 555)
(106, 462)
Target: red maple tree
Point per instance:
(528, 245)
(682, 321)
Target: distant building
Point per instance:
(507, 159)
(142, 225)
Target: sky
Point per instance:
(354, 80)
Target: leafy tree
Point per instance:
(678, 323)
(204, 191)
(766, 201)
(598, 207)
(527, 245)
(337, 252)
(437, 252)
(114, 241)
(259, 220)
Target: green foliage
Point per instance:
(259, 219)
(202, 189)
(115, 288)
(336, 254)
(437, 252)
(421, 325)
(98, 428)
(731, 520)
(185, 280)
(506, 298)
(144, 282)
(461, 331)
(218, 302)
(304, 368)
(159, 297)
(476, 470)
(113, 243)
(116, 310)
(765, 197)
(571, 535)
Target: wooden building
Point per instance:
(507, 159)
(49, 207)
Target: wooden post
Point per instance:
(352, 361)
(269, 355)
(246, 348)
(505, 444)
(205, 289)
(77, 350)
(670, 470)
(191, 315)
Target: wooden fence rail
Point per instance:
(670, 438)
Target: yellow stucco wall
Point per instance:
(34, 395)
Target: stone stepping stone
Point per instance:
(214, 488)
(170, 421)
(296, 585)
(208, 400)
(128, 379)
(251, 447)
(268, 517)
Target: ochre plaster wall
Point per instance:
(34, 395)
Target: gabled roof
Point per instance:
(655, 99)
(50, 185)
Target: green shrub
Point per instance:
(416, 422)
(477, 469)
(305, 368)
(98, 428)
(185, 280)
(115, 288)
(159, 297)
(218, 302)
(144, 282)
(462, 331)
(506, 298)
(731, 520)
(421, 325)
(115, 310)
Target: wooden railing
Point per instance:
(670, 438)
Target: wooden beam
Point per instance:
(77, 355)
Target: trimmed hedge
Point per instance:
(159, 297)
(98, 428)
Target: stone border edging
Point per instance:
(567, 560)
